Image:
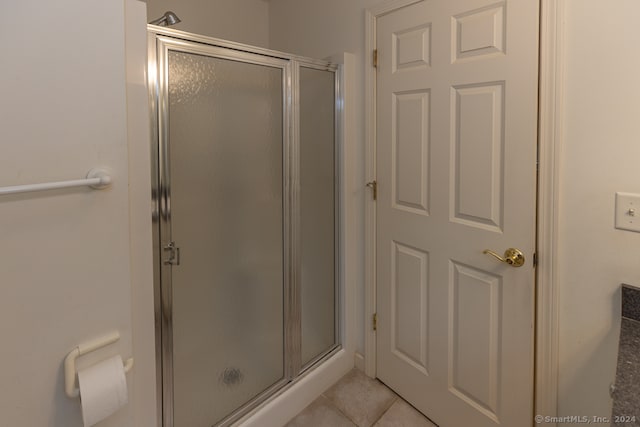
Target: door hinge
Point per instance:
(375, 58)
(375, 321)
(374, 186)
(174, 254)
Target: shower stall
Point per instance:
(245, 223)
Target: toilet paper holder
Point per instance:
(84, 348)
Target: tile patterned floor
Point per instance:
(359, 401)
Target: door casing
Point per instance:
(551, 72)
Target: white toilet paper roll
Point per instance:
(103, 390)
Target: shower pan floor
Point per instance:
(357, 400)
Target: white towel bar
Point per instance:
(84, 348)
(96, 178)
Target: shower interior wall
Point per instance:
(245, 21)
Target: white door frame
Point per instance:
(550, 120)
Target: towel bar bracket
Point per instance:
(103, 174)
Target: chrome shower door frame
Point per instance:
(160, 42)
(338, 94)
(163, 45)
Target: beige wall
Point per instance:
(599, 157)
(243, 21)
(65, 258)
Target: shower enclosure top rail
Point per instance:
(171, 32)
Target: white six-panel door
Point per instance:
(456, 172)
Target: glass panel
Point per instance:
(317, 109)
(226, 150)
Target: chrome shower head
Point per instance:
(169, 18)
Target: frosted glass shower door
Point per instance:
(317, 212)
(224, 182)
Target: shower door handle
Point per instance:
(174, 254)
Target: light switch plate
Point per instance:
(628, 211)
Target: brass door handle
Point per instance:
(512, 256)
